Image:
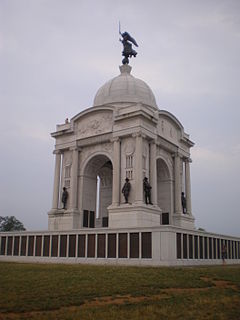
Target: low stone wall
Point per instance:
(165, 245)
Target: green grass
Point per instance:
(40, 291)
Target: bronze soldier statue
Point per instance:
(184, 203)
(64, 197)
(126, 189)
(147, 191)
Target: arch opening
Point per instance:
(164, 191)
(97, 191)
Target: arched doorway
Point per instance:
(164, 191)
(97, 191)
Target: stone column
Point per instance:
(74, 180)
(56, 179)
(153, 171)
(139, 169)
(188, 186)
(177, 183)
(116, 172)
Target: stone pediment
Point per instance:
(93, 122)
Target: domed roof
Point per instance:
(125, 88)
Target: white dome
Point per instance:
(125, 88)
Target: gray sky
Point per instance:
(55, 54)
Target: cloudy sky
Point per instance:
(55, 54)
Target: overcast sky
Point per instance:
(55, 54)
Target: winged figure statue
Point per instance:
(128, 51)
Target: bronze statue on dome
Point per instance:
(128, 51)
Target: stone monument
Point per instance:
(123, 135)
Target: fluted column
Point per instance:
(74, 179)
(153, 171)
(188, 186)
(116, 171)
(56, 179)
(139, 168)
(177, 183)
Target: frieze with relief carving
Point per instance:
(94, 124)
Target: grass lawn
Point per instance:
(45, 291)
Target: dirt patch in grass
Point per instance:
(220, 283)
(121, 300)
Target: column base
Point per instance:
(134, 215)
(63, 219)
(183, 220)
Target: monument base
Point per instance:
(61, 220)
(133, 215)
(183, 220)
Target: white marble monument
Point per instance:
(124, 134)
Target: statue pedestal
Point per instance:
(61, 220)
(183, 220)
(133, 215)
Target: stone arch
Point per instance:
(96, 180)
(164, 187)
(92, 155)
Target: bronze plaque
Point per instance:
(205, 248)
(16, 246)
(214, 249)
(201, 246)
(165, 218)
(101, 245)
(54, 249)
(3, 245)
(184, 246)
(210, 247)
(30, 245)
(146, 245)
(122, 245)
(85, 218)
(72, 246)
(91, 246)
(23, 246)
(46, 246)
(196, 247)
(81, 245)
(190, 246)
(9, 245)
(38, 249)
(92, 219)
(63, 245)
(134, 245)
(218, 249)
(229, 249)
(179, 246)
(112, 245)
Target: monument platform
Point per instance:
(155, 246)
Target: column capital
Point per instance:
(115, 139)
(138, 134)
(75, 148)
(153, 141)
(57, 152)
(177, 154)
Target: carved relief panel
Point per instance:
(94, 123)
(168, 130)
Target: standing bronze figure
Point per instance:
(128, 51)
(126, 189)
(184, 203)
(64, 197)
(147, 191)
